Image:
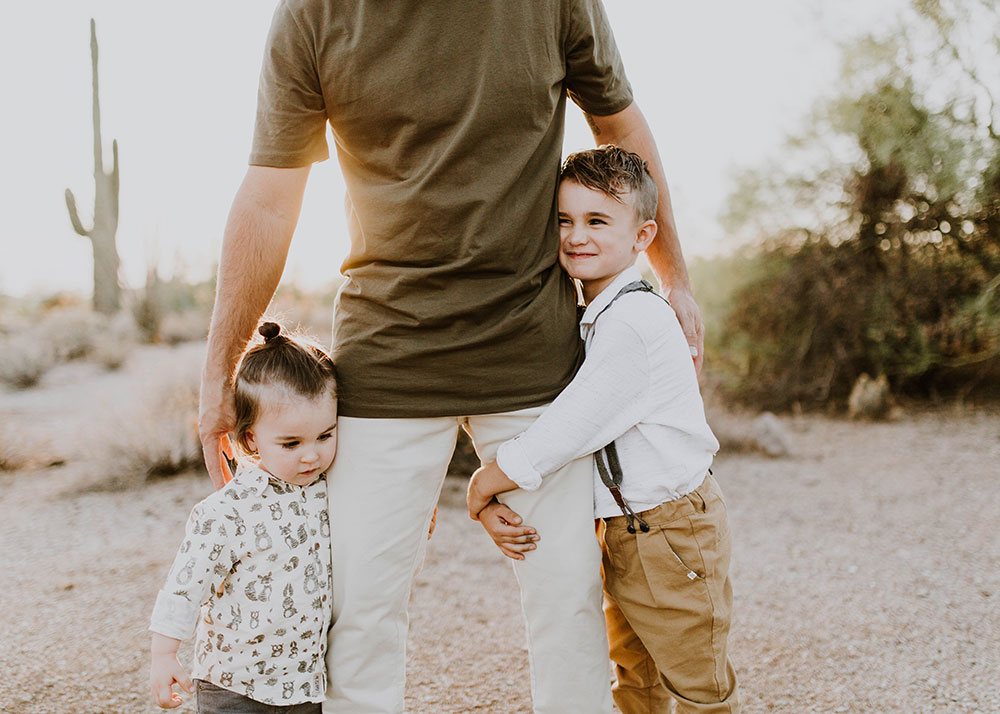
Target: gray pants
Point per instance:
(216, 700)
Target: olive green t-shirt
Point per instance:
(448, 122)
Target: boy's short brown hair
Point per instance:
(614, 172)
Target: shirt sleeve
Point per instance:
(595, 75)
(605, 399)
(290, 129)
(202, 563)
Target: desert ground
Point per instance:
(866, 566)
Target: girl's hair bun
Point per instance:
(269, 330)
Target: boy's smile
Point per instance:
(599, 237)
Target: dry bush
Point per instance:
(186, 326)
(13, 451)
(25, 360)
(36, 344)
(70, 333)
(112, 347)
(159, 436)
(20, 451)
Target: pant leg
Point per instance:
(383, 487)
(638, 688)
(560, 581)
(212, 699)
(672, 585)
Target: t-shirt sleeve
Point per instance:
(595, 75)
(290, 129)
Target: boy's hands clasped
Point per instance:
(499, 521)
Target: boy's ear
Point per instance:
(645, 235)
(251, 443)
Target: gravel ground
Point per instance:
(866, 571)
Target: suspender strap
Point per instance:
(634, 286)
(613, 480)
(611, 473)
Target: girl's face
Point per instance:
(295, 437)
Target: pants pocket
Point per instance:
(671, 552)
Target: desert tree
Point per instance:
(876, 236)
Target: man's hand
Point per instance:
(690, 318)
(487, 482)
(165, 671)
(504, 527)
(217, 417)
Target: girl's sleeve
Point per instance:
(202, 564)
(605, 399)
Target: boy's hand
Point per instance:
(504, 527)
(488, 481)
(165, 670)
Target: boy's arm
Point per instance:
(165, 670)
(254, 248)
(629, 130)
(488, 480)
(605, 399)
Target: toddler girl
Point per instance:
(253, 573)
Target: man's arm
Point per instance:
(258, 232)
(629, 130)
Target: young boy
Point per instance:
(635, 402)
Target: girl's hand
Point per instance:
(504, 527)
(165, 671)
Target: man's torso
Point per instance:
(448, 120)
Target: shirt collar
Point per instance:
(254, 475)
(604, 298)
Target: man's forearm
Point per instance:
(629, 130)
(258, 232)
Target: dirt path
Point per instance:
(867, 574)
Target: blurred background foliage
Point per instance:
(872, 245)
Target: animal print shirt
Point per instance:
(253, 575)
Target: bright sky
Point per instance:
(720, 82)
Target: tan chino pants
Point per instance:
(668, 602)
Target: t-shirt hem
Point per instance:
(286, 161)
(411, 411)
(606, 108)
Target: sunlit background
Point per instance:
(720, 82)
(835, 171)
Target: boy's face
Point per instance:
(296, 437)
(599, 237)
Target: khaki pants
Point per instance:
(667, 606)
(383, 487)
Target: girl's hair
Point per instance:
(281, 360)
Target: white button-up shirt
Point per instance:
(253, 574)
(636, 387)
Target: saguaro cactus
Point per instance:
(107, 291)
